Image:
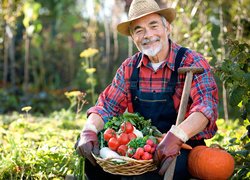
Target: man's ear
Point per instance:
(168, 28)
(131, 36)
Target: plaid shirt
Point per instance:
(116, 98)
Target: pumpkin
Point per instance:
(210, 163)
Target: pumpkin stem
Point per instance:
(216, 146)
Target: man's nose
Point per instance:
(147, 33)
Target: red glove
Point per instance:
(88, 143)
(166, 151)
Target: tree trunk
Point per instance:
(12, 61)
(26, 63)
(222, 42)
(116, 46)
(5, 56)
(107, 45)
(224, 96)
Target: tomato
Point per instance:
(127, 127)
(113, 144)
(123, 138)
(131, 136)
(147, 148)
(109, 133)
(122, 149)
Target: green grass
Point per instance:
(38, 147)
(43, 147)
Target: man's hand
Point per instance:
(166, 151)
(88, 143)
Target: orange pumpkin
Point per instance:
(210, 163)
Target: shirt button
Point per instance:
(155, 72)
(153, 91)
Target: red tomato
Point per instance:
(123, 138)
(113, 144)
(131, 136)
(146, 156)
(147, 148)
(109, 133)
(127, 127)
(122, 149)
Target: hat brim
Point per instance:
(168, 13)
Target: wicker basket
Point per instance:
(125, 165)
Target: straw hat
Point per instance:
(140, 8)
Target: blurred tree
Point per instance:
(32, 25)
(10, 10)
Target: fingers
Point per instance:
(85, 151)
(156, 158)
(96, 148)
(165, 164)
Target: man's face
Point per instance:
(149, 34)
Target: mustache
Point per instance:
(147, 40)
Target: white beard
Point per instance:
(151, 51)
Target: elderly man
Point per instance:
(148, 83)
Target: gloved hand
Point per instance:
(88, 143)
(166, 151)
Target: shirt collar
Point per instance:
(169, 61)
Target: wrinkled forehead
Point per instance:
(145, 20)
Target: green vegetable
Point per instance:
(138, 142)
(137, 120)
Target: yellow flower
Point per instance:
(26, 108)
(90, 70)
(72, 93)
(88, 52)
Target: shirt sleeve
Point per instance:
(113, 100)
(204, 94)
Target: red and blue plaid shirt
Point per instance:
(116, 98)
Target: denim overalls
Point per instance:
(159, 107)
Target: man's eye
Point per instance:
(138, 31)
(154, 26)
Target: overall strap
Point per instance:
(134, 83)
(178, 59)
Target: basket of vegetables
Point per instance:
(127, 144)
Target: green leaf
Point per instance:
(247, 146)
(236, 96)
(243, 153)
(232, 140)
(246, 77)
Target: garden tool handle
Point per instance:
(169, 174)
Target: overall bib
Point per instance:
(159, 107)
